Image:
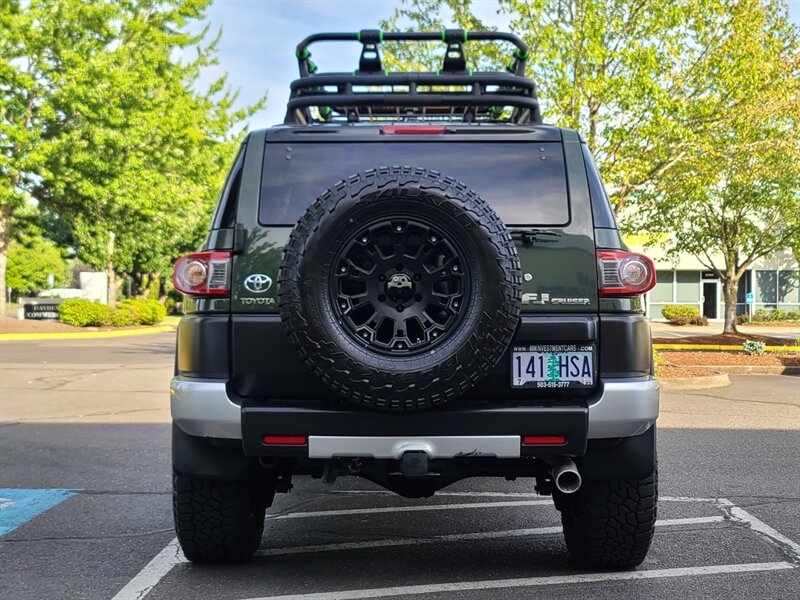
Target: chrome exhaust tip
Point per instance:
(566, 477)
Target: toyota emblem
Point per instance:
(258, 283)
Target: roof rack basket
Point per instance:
(452, 94)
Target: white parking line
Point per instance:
(395, 509)
(773, 536)
(144, 582)
(466, 586)
(153, 572)
(457, 537)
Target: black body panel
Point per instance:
(266, 366)
(202, 349)
(625, 345)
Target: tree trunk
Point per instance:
(5, 235)
(730, 285)
(112, 276)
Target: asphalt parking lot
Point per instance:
(85, 502)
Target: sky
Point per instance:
(259, 38)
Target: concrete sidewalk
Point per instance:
(665, 330)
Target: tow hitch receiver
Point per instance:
(414, 464)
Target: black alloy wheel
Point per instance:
(400, 286)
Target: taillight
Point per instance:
(203, 274)
(624, 273)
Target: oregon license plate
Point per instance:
(552, 366)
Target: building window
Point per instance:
(788, 288)
(663, 290)
(688, 288)
(767, 288)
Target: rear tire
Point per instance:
(610, 524)
(219, 521)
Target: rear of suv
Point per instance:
(414, 281)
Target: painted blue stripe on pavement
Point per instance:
(18, 506)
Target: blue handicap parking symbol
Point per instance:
(18, 506)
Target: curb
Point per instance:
(695, 383)
(718, 348)
(753, 369)
(24, 337)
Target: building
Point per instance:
(773, 281)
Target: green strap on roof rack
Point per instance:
(324, 111)
(312, 67)
(304, 55)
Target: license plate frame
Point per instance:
(540, 355)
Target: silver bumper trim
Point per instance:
(626, 408)
(201, 407)
(500, 446)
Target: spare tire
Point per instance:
(400, 288)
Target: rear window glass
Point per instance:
(525, 183)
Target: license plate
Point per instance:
(552, 366)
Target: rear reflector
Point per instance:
(412, 129)
(544, 440)
(623, 273)
(284, 440)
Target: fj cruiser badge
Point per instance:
(258, 283)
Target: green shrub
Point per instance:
(752, 347)
(671, 311)
(118, 317)
(82, 313)
(793, 315)
(777, 314)
(144, 310)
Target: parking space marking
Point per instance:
(457, 537)
(144, 581)
(417, 508)
(773, 536)
(489, 584)
(18, 506)
(153, 572)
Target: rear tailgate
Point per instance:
(534, 179)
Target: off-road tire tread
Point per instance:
(610, 524)
(215, 521)
(418, 390)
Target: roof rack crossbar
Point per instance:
(480, 77)
(449, 37)
(429, 100)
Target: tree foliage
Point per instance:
(116, 138)
(733, 194)
(30, 263)
(691, 108)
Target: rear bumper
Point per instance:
(622, 408)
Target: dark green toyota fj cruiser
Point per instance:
(414, 281)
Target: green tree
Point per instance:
(125, 150)
(599, 67)
(733, 195)
(690, 107)
(30, 263)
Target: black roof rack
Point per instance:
(453, 93)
